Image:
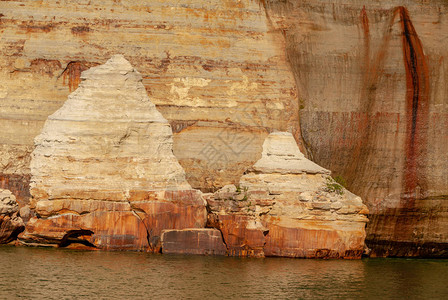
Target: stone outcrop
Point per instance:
(288, 206)
(368, 80)
(10, 222)
(103, 171)
(202, 241)
(373, 91)
(214, 69)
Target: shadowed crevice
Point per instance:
(72, 237)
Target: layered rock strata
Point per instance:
(214, 69)
(204, 241)
(373, 88)
(103, 171)
(10, 222)
(287, 205)
(371, 84)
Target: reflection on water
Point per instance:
(66, 274)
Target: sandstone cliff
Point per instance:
(288, 206)
(373, 90)
(103, 173)
(214, 69)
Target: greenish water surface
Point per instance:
(34, 273)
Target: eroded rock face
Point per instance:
(371, 84)
(289, 206)
(373, 89)
(10, 222)
(214, 69)
(103, 171)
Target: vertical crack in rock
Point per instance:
(135, 213)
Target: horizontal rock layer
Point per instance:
(223, 67)
(295, 211)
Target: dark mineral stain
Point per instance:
(417, 109)
(36, 27)
(78, 30)
(365, 26)
(207, 67)
(417, 95)
(72, 73)
(45, 66)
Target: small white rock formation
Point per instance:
(282, 155)
(104, 164)
(286, 205)
(10, 222)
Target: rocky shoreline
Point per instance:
(104, 176)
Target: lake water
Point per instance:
(67, 274)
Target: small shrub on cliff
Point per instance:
(339, 179)
(238, 189)
(334, 187)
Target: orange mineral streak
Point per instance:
(71, 76)
(417, 96)
(366, 30)
(373, 66)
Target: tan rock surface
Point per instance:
(214, 69)
(103, 170)
(10, 222)
(299, 211)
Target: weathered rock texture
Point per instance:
(371, 81)
(288, 206)
(103, 170)
(214, 69)
(373, 87)
(205, 241)
(10, 222)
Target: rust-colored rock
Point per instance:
(205, 241)
(288, 206)
(103, 171)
